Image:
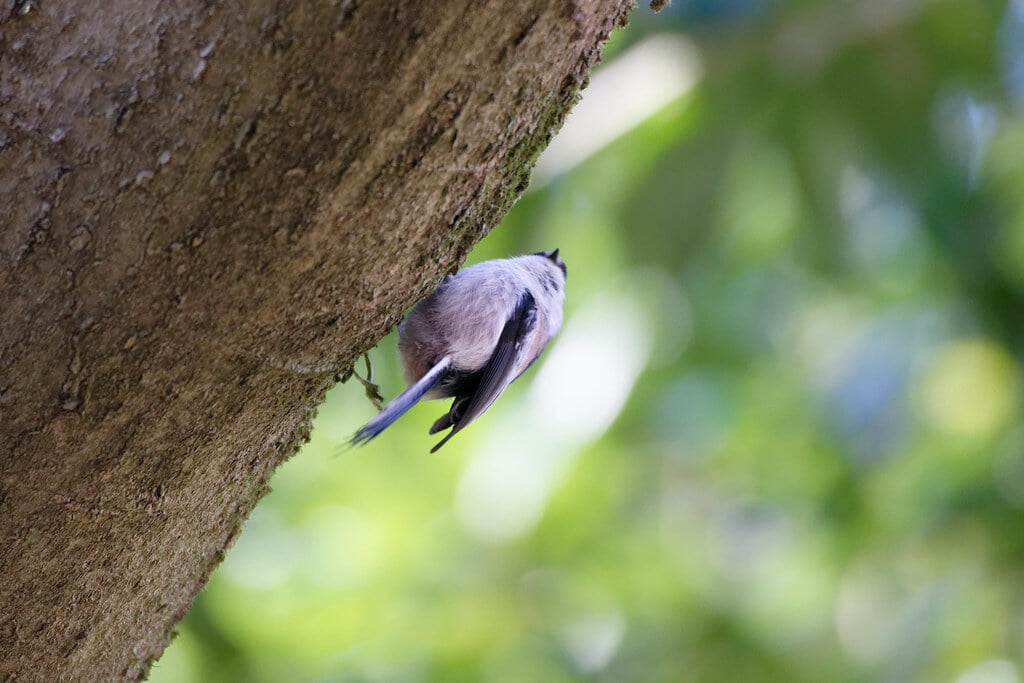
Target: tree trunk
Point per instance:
(210, 209)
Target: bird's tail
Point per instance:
(401, 403)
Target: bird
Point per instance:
(472, 336)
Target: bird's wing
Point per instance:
(499, 371)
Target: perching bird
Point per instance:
(476, 333)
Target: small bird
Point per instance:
(475, 334)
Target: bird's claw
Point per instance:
(372, 390)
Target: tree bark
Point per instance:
(210, 209)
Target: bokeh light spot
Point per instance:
(970, 389)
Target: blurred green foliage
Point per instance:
(780, 436)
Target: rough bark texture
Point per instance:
(210, 209)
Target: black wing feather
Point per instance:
(497, 373)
